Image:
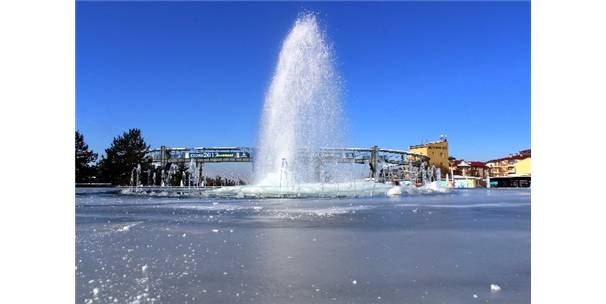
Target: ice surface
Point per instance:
(353, 250)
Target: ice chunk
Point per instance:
(394, 191)
(495, 288)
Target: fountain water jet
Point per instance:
(302, 110)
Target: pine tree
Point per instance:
(85, 159)
(124, 154)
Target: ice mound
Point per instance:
(359, 188)
(307, 190)
(432, 187)
(128, 226)
(495, 288)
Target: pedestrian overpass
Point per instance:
(372, 156)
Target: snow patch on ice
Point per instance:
(495, 288)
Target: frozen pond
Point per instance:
(440, 248)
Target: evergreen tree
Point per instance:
(85, 159)
(124, 154)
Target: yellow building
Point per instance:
(437, 152)
(513, 164)
(522, 167)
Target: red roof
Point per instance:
(473, 164)
(521, 155)
(478, 164)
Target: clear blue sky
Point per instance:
(195, 73)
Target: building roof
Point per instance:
(478, 164)
(441, 140)
(519, 156)
(465, 163)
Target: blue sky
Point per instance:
(195, 73)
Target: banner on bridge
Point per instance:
(209, 155)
